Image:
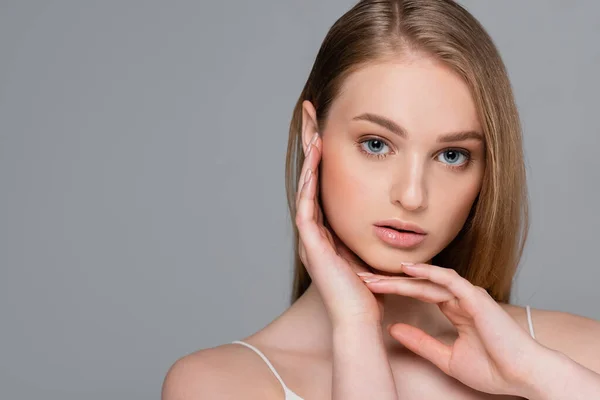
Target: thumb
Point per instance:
(422, 344)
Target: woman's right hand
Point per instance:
(331, 265)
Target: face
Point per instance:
(402, 146)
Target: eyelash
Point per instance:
(464, 152)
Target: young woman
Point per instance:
(406, 182)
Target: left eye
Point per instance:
(452, 157)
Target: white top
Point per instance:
(290, 395)
(529, 322)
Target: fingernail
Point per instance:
(369, 280)
(364, 273)
(410, 267)
(314, 138)
(309, 150)
(308, 174)
(407, 263)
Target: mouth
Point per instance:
(400, 235)
(400, 226)
(398, 230)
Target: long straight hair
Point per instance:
(488, 248)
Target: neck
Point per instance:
(308, 315)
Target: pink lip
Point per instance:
(401, 240)
(400, 225)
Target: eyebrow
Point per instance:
(398, 130)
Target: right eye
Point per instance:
(374, 147)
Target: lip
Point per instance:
(401, 225)
(399, 240)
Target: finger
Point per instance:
(307, 227)
(318, 210)
(420, 289)
(423, 344)
(312, 163)
(317, 200)
(490, 320)
(318, 143)
(302, 177)
(305, 165)
(446, 277)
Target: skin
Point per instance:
(340, 313)
(413, 178)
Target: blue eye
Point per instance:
(453, 158)
(374, 147)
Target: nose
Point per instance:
(409, 186)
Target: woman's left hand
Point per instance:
(492, 353)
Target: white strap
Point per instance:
(529, 321)
(285, 388)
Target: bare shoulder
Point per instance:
(574, 335)
(228, 371)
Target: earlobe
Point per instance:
(309, 123)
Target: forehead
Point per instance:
(422, 95)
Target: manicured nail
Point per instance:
(410, 267)
(312, 141)
(314, 138)
(370, 280)
(309, 150)
(308, 174)
(364, 273)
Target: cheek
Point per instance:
(344, 188)
(455, 209)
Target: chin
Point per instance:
(392, 265)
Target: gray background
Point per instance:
(142, 147)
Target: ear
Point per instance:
(309, 123)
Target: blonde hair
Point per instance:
(488, 248)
